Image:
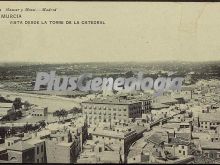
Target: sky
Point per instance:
(133, 32)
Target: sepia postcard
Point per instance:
(109, 82)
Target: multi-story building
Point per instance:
(182, 148)
(112, 110)
(145, 99)
(209, 121)
(118, 138)
(57, 143)
(65, 141)
(98, 152)
(39, 150)
(25, 149)
(21, 152)
(145, 103)
(211, 150)
(6, 109)
(38, 111)
(60, 148)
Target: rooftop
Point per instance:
(180, 141)
(209, 117)
(111, 133)
(65, 144)
(5, 105)
(13, 138)
(166, 99)
(111, 100)
(159, 106)
(20, 146)
(210, 145)
(34, 141)
(157, 138)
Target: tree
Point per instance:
(18, 114)
(17, 103)
(63, 113)
(129, 74)
(58, 114)
(75, 110)
(26, 105)
(42, 124)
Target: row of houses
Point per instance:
(57, 143)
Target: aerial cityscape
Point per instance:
(42, 126)
(154, 93)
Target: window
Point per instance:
(182, 147)
(8, 143)
(180, 151)
(42, 148)
(211, 155)
(183, 152)
(37, 150)
(37, 160)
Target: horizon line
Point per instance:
(153, 61)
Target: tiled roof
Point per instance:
(156, 138)
(180, 141)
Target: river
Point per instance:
(52, 102)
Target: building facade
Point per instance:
(111, 110)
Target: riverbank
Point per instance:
(51, 101)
